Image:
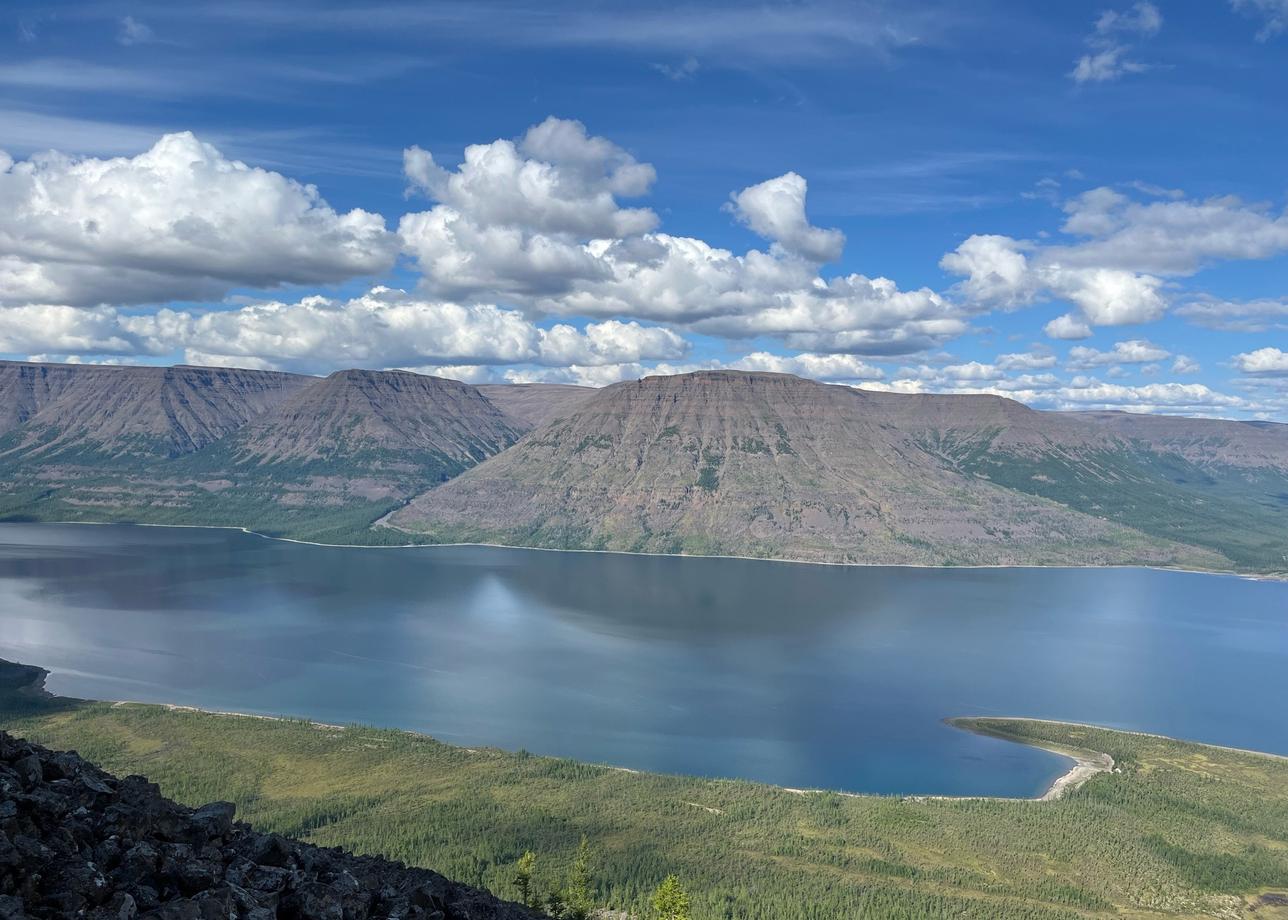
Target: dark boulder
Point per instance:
(77, 842)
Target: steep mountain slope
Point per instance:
(100, 414)
(535, 404)
(325, 459)
(26, 388)
(1205, 442)
(351, 446)
(727, 462)
(1218, 484)
(950, 425)
(758, 464)
(382, 416)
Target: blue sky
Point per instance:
(1080, 205)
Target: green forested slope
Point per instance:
(1238, 512)
(1183, 830)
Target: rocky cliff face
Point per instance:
(358, 413)
(78, 842)
(760, 464)
(25, 389)
(110, 413)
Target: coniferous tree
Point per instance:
(581, 900)
(670, 901)
(523, 870)
(554, 903)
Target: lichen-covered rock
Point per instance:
(78, 842)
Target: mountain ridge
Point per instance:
(713, 462)
(534, 403)
(148, 411)
(758, 464)
(282, 454)
(352, 411)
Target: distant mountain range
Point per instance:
(283, 454)
(716, 462)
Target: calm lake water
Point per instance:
(806, 676)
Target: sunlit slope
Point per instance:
(712, 462)
(1216, 484)
(1179, 831)
(73, 414)
(762, 465)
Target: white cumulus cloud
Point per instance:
(1117, 259)
(775, 209)
(179, 221)
(512, 219)
(1067, 327)
(1004, 273)
(1168, 237)
(1269, 361)
(390, 328)
(817, 367)
(1134, 351)
(65, 330)
(537, 223)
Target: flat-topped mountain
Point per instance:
(26, 388)
(535, 404)
(766, 465)
(50, 411)
(354, 414)
(711, 462)
(280, 453)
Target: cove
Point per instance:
(799, 675)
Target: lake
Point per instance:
(800, 675)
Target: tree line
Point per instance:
(575, 900)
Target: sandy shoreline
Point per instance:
(1128, 731)
(1269, 577)
(1086, 764)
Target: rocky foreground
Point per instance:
(78, 842)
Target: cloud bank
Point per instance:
(536, 257)
(177, 222)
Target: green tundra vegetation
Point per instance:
(1238, 513)
(274, 499)
(1179, 830)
